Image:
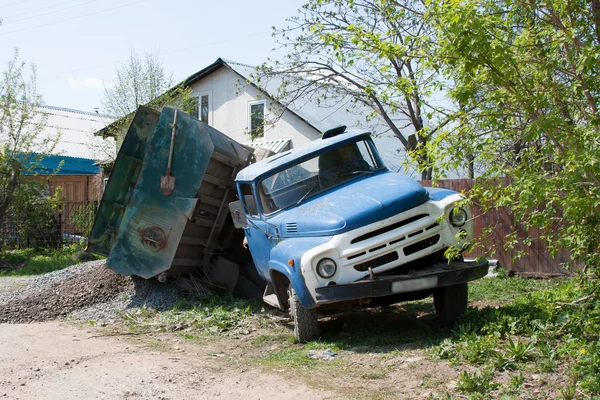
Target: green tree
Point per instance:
(22, 143)
(531, 70)
(142, 82)
(366, 53)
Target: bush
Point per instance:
(34, 215)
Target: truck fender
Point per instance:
(281, 276)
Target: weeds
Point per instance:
(478, 382)
(31, 261)
(543, 330)
(211, 316)
(518, 350)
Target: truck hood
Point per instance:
(361, 202)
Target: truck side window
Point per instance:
(367, 154)
(249, 199)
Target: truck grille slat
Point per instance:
(388, 228)
(377, 262)
(423, 244)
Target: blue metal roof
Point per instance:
(278, 161)
(37, 164)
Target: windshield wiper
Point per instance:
(312, 189)
(361, 172)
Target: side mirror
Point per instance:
(237, 214)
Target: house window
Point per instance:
(201, 108)
(193, 110)
(256, 119)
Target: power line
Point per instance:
(73, 18)
(13, 3)
(43, 8)
(49, 12)
(169, 52)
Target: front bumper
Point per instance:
(438, 275)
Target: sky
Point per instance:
(76, 45)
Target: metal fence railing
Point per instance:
(67, 223)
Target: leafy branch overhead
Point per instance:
(530, 71)
(370, 56)
(142, 82)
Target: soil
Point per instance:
(53, 360)
(93, 287)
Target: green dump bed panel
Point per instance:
(145, 232)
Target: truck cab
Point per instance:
(329, 226)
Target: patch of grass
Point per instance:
(503, 289)
(547, 330)
(273, 338)
(23, 262)
(211, 316)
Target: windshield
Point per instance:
(311, 177)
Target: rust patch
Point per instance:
(154, 237)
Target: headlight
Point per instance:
(458, 216)
(326, 268)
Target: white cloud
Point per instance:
(88, 82)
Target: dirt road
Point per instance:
(55, 360)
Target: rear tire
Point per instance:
(306, 320)
(450, 302)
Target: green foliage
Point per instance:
(539, 330)
(35, 215)
(478, 382)
(526, 73)
(21, 124)
(82, 218)
(503, 289)
(366, 56)
(36, 261)
(210, 316)
(143, 82)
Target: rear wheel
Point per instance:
(450, 302)
(306, 320)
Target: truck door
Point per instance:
(259, 234)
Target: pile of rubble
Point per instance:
(87, 291)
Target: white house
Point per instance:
(229, 101)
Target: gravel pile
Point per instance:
(87, 291)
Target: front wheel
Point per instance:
(450, 302)
(306, 320)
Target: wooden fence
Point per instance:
(537, 260)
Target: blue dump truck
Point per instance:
(327, 226)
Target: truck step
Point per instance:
(272, 300)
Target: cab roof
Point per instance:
(290, 157)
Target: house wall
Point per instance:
(229, 110)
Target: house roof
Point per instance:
(321, 115)
(319, 111)
(49, 165)
(276, 146)
(76, 129)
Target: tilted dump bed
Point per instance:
(144, 226)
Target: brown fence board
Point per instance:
(537, 261)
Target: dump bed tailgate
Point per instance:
(144, 230)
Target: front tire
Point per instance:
(450, 302)
(306, 320)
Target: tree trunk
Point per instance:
(11, 186)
